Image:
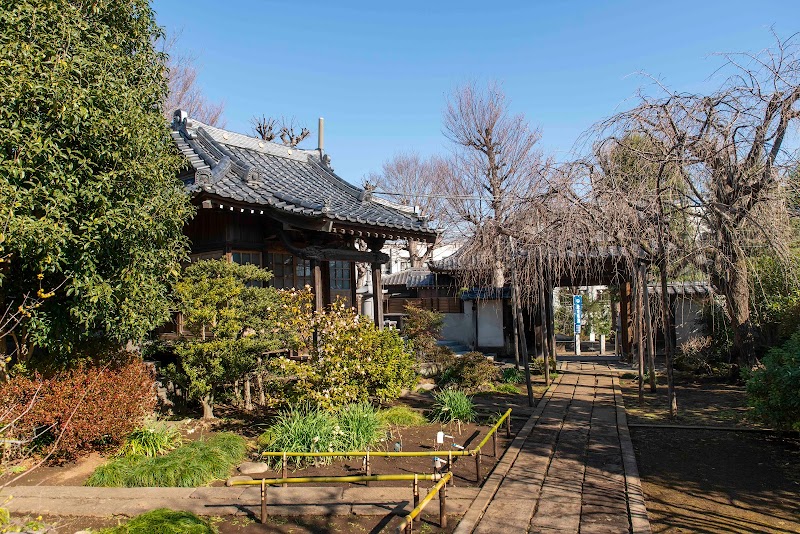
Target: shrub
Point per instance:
(353, 361)
(693, 355)
(151, 440)
(774, 389)
(163, 521)
(422, 327)
(472, 371)
(512, 375)
(402, 416)
(191, 465)
(452, 405)
(89, 407)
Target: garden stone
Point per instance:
(253, 468)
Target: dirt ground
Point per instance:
(712, 480)
(702, 400)
(339, 524)
(719, 481)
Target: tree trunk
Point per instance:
(262, 397)
(638, 316)
(248, 399)
(666, 320)
(208, 406)
(648, 322)
(737, 302)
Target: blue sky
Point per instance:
(380, 72)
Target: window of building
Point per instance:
(288, 271)
(302, 272)
(340, 275)
(247, 258)
(282, 267)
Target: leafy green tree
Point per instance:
(91, 211)
(233, 320)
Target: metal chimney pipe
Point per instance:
(321, 138)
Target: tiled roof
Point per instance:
(686, 289)
(248, 170)
(410, 278)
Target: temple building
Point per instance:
(284, 208)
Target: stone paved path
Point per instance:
(570, 469)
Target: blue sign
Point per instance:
(577, 306)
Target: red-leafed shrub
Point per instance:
(89, 407)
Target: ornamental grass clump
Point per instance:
(452, 405)
(152, 440)
(191, 465)
(163, 521)
(304, 428)
(307, 428)
(512, 375)
(402, 416)
(361, 426)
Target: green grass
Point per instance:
(152, 440)
(191, 465)
(452, 405)
(402, 416)
(506, 388)
(163, 521)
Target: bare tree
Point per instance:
(411, 181)
(729, 148)
(495, 166)
(264, 127)
(184, 89)
(288, 135)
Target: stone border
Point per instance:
(83, 501)
(637, 510)
(490, 487)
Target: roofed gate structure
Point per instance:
(285, 209)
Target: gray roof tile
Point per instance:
(246, 169)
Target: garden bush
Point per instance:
(151, 440)
(90, 407)
(352, 361)
(402, 416)
(694, 355)
(774, 389)
(422, 328)
(452, 405)
(471, 372)
(163, 521)
(189, 466)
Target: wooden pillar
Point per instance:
(377, 295)
(319, 298)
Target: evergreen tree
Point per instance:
(91, 211)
